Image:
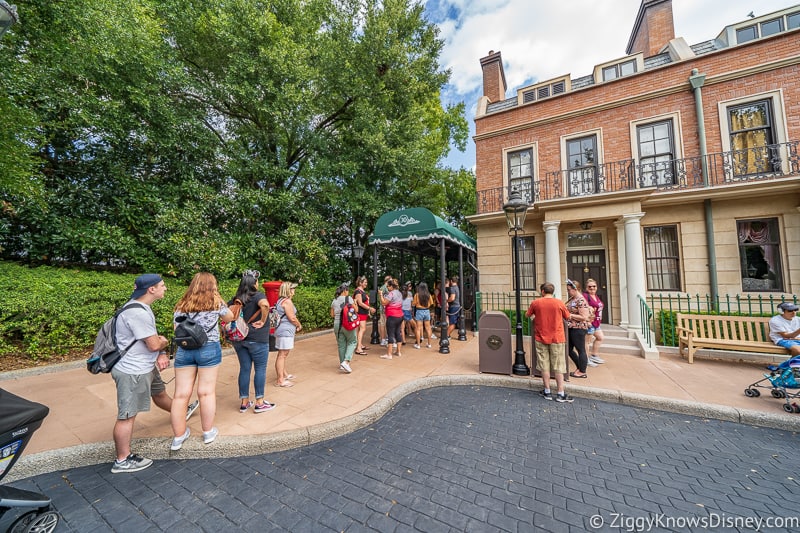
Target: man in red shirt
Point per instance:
(550, 314)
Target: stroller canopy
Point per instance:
(16, 412)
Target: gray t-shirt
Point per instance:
(337, 304)
(136, 324)
(207, 319)
(454, 290)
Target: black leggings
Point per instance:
(577, 341)
(394, 329)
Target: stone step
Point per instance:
(619, 349)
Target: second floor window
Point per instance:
(656, 153)
(751, 136)
(582, 165)
(520, 173)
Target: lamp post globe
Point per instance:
(8, 16)
(358, 253)
(516, 209)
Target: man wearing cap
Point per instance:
(135, 374)
(784, 329)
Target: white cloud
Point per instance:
(541, 39)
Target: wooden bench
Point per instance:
(738, 333)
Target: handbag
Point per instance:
(190, 335)
(237, 329)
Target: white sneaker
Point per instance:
(591, 363)
(177, 442)
(346, 367)
(191, 408)
(433, 337)
(596, 359)
(209, 436)
(416, 346)
(384, 342)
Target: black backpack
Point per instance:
(107, 352)
(190, 335)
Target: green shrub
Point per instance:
(47, 311)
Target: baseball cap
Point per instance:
(571, 283)
(144, 282)
(787, 306)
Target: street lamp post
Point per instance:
(8, 16)
(515, 210)
(358, 253)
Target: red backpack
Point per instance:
(349, 319)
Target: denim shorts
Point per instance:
(422, 315)
(788, 343)
(452, 314)
(591, 330)
(407, 315)
(208, 355)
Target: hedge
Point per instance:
(48, 311)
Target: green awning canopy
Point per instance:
(405, 228)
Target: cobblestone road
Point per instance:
(465, 459)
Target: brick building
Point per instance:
(672, 169)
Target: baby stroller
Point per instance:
(780, 378)
(19, 418)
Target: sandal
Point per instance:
(574, 375)
(360, 352)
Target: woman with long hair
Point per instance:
(409, 325)
(288, 327)
(393, 302)
(578, 324)
(361, 298)
(253, 350)
(422, 303)
(203, 304)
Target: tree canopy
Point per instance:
(175, 135)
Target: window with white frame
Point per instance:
(656, 145)
(760, 254)
(581, 155)
(751, 137)
(662, 258)
(520, 172)
(527, 263)
(626, 68)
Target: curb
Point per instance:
(229, 446)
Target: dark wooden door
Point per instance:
(585, 264)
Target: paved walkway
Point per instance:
(327, 403)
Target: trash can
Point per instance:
(272, 290)
(494, 349)
(537, 373)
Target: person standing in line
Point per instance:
(784, 329)
(550, 314)
(134, 374)
(578, 324)
(253, 350)
(596, 309)
(453, 305)
(346, 341)
(361, 297)
(288, 327)
(422, 303)
(393, 303)
(382, 291)
(408, 318)
(202, 303)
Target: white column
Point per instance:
(623, 274)
(552, 255)
(634, 263)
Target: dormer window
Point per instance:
(772, 26)
(543, 90)
(619, 70)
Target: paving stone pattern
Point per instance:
(460, 459)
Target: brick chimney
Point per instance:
(653, 29)
(494, 78)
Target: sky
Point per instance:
(541, 39)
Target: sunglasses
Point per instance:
(254, 273)
(591, 286)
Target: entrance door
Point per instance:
(585, 264)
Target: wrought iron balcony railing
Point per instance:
(768, 162)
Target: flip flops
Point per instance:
(573, 375)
